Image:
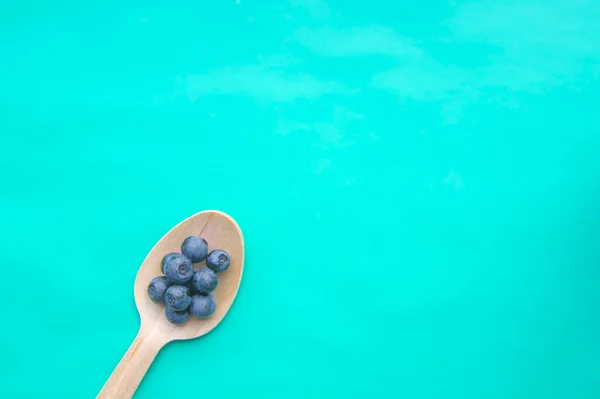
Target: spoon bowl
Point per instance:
(221, 232)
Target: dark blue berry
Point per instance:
(177, 297)
(177, 317)
(166, 258)
(157, 288)
(195, 248)
(202, 306)
(204, 281)
(218, 260)
(178, 269)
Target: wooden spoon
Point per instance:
(221, 232)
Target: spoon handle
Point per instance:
(131, 369)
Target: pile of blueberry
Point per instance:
(184, 290)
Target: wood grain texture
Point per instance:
(221, 232)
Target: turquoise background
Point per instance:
(418, 184)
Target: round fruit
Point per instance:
(218, 260)
(195, 248)
(204, 281)
(178, 269)
(177, 297)
(177, 317)
(157, 288)
(202, 306)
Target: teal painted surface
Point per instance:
(418, 185)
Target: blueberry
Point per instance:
(177, 297)
(157, 288)
(218, 260)
(166, 258)
(177, 317)
(195, 248)
(205, 281)
(202, 305)
(178, 269)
